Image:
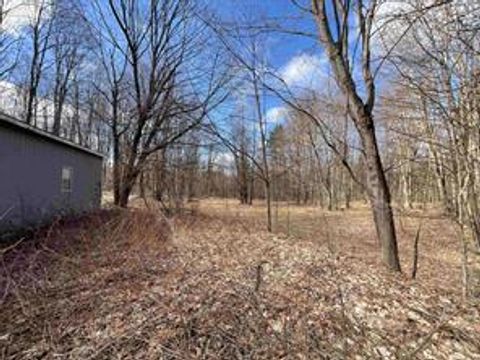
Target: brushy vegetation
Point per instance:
(212, 284)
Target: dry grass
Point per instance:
(122, 285)
(58, 286)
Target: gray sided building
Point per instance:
(42, 176)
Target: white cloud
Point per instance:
(389, 23)
(305, 71)
(276, 114)
(18, 13)
(394, 30)
(10, 98)
(225, 159)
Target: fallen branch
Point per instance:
(428, 339)
(11, 247)
(415, 252)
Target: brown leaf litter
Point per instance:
(121, 285)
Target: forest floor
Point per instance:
(211, 283)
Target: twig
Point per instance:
(427, 340)
(11, 247)
(415, 252)
(259, 270)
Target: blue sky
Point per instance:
(281, 47)
(297, 59)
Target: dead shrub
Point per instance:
(62, 272)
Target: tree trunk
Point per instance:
(330, 199)
(116, 174)
(127, 185)
(124, 194)
(268, 194)
(380, 198)
(30, 104)
(251, 188)
(116, 161)
(57, 116)
(348, 191)
(141, 185)
(405, 187)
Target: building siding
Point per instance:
(30, 178)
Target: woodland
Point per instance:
(287, 179)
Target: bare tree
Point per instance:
(159, 40)
(112, 87)
(440, 73)
(70, 40)
(256, 81)
(40, 31)
(334, 19)
(8, 53)
(243, 143)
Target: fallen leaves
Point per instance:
(214, 290)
